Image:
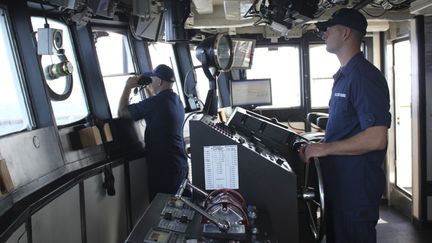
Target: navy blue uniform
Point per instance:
(354, 184)
(164, 115)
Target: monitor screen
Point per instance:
(251, 92)
(243, 53)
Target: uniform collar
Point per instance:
(166, 91)
(352, 63)
(345, 70)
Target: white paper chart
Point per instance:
(221, 167)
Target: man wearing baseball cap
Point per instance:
(355, 143)
(164, 114)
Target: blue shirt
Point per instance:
(359, 100)
(164, 115)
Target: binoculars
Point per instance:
(144, 80)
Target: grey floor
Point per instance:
(394, 227)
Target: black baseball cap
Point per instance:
(163, 72)
(348, 17)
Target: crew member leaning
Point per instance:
(164, 114)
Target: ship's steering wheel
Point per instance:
(312, 193)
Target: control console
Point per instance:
(264, 177)
(252, 143)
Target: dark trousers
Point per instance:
(344, 228)
(165, 180)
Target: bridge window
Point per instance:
(115, 60)
(323, 65)
(162, 53)
(283, 67)
(403, 114)
(74, 107)
(14, 110)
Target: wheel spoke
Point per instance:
(313, 196)
(312, 222)
(318, 204)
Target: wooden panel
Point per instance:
(6, 184)
(90, 137)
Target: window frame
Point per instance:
(134, 59)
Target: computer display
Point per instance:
(243, 53)
(251, 92)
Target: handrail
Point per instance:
(14, 217)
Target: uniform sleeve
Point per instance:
(370, 97)
(142, 109)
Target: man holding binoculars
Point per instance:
(164, 114)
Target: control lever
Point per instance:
(222, 225)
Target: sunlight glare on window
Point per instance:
(115, 60)
(403, 111)
(323, 65)
(14, 112)
(162, 53)
(283, 68)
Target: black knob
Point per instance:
(167, 216)
(184, 219)
(279, 161)
(258, 149)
